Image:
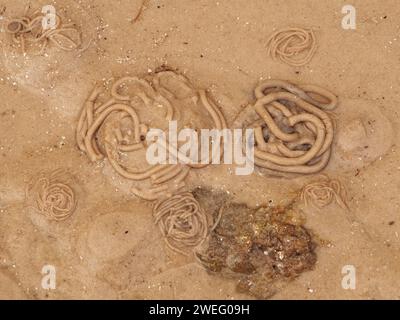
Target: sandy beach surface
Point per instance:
(110, 248)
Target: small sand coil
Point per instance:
(28, 31)
(293, 46)
(182, 222)
(54, 198)
(323, 192)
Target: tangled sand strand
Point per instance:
(323, 192)
(93, 117)
(294, 46)
(165, 179)
(29, 31)
(293, 132)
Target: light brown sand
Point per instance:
(110, 247)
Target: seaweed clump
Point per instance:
(263, 248)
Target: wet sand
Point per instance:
(110, 247)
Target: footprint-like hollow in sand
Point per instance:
(113, 234)
(364, 135)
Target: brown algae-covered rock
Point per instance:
(261, 247)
